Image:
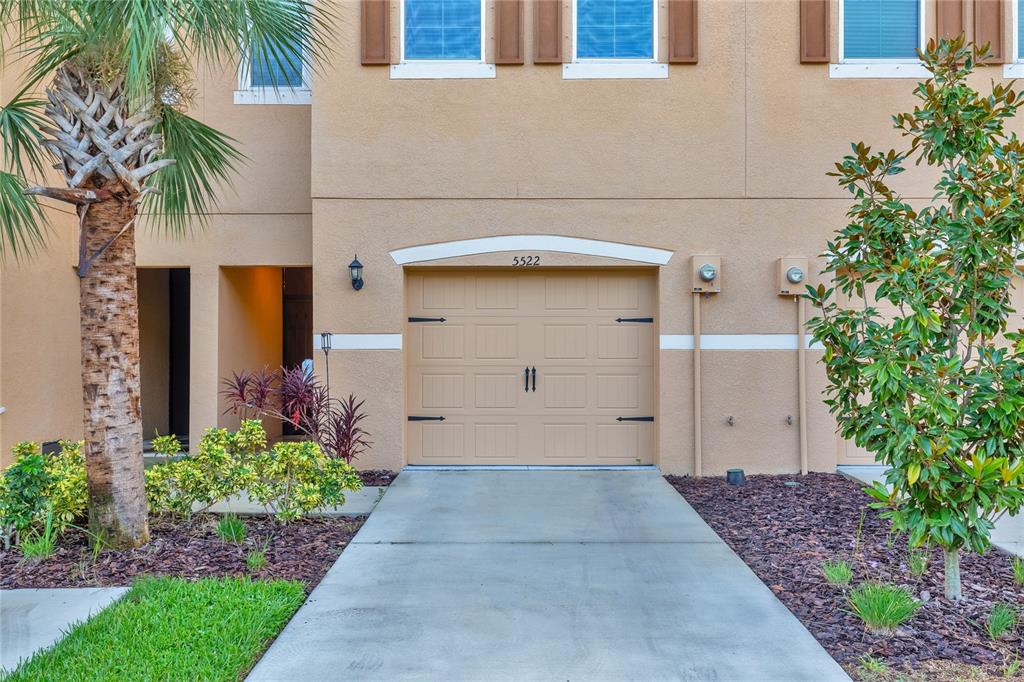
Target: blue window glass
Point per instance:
(1020, 34)
(442, 29)
(881, 29)
(284, 71)
(615, 29)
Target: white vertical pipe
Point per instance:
(802, 378)
(697, 438)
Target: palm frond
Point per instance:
(20, 120)
(21, 219)
(204, 158)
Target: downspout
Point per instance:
(801, 374)
(697, 439)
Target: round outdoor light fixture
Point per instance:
(708, 272)
(795, 275)
(356, 270)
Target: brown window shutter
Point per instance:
(988, 28)
(950, 18)
(508, 29)
(682, 31)
(815, 31)
(547, 32)
(375, 28)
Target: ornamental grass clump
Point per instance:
(838, 572)
(230, 528)
(882, 607)
(924, 370)
(1017, 566)
(1001, 621)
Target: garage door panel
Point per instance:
(590, 369)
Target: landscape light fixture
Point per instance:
(355, 268)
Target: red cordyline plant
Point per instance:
(297, 397)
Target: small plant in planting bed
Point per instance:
(1018, 570)
(882, 607)
(39, 544)
(838, 572)
(1001, 621)
(917, 562)
(872, 668)
(256, 559)
(230, 528)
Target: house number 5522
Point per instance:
(525, 261)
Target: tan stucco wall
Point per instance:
(154, 348)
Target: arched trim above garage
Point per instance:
(531, 242)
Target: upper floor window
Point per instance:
(442, 39)
(277, 80)
(615, 39)
(880, 39)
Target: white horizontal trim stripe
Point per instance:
(531, 242)
(624, 69)
(361, 342)
(736, 342)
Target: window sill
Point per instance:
(878, 70)
(271, 96)
(598, 70)
(1014, 70)
(442, 69)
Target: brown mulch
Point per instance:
(784, 533)
(382, 477)
(302, 550)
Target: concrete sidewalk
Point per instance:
(34, 619)
(541, 575)
(1008, 535)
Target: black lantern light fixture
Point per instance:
(355, 268)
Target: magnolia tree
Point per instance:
(923, 369)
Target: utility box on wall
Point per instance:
(792, 276)
(706, 274)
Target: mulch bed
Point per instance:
(382, 477)
(784, 533)
(302, 550)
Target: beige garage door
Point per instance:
(530, 367)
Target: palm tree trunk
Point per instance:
(110, 375)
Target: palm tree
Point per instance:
(118, 78)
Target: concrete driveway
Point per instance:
(541, 575)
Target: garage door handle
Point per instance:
(427, 319)
(533, 373)
(526, 379)
(417, 418)
(634, 419)
(646, 320)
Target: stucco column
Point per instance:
(204, 321)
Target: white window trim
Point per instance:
(247, 94)
(881, 68)
(585, 69)
(443, 68)
(1015, 68)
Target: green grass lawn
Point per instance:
(172, 629)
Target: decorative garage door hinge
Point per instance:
(417, 418)
(427, 319)
(634, 419)
(648, 320)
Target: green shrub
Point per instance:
(1001, 620)
(1017, 565)
(917, 562)
(230, 528)
(297, 477)
(882, 607)
(838, 572)
(167, 446)
(217, 470)
(36, 486)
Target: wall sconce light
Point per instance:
(356, 270)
